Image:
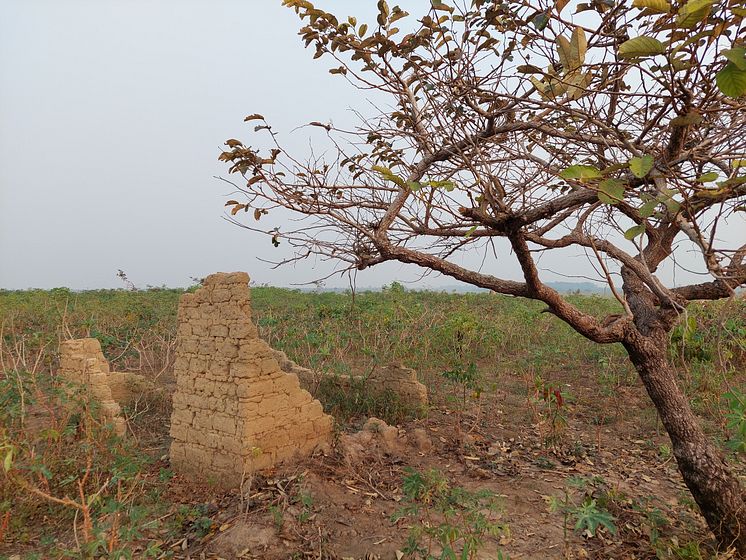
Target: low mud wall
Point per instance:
(83, 362)
(397, 379)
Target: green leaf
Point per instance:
(389, 175)
(447, 185)
(732, 182)
(681, 64)
(590, 517)
(647, 209)
(731, 81)
(472, 229)
(693, 12)
(737, 55)
(657, 6)
(580, 172)
(634, 231)
(739, 163)
(667, 198)
(638, 47)
(8, 462)
(641, 166)
(708, 177)
(613, 168)
(540, 21)
(611, 191)
(414, 185)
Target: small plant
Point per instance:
(588, 517)
(278, 516)
(451, 522)
(305, 499)
(654, 522)
(549, 405)
(689, 551)
(193, 520)
(164, 475)
(664, 451)
(587, 513)
(736, 420)
(470, 380)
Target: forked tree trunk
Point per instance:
(704, 470)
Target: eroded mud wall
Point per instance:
(234, 410)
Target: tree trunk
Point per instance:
(704, 470)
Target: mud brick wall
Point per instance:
(82, 362)
(395, 378)
(234, 410)
(400, 380)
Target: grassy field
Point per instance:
(498, 369)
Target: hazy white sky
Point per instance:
(112, 115)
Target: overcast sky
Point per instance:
(112, 115)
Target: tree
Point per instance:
(620, 129)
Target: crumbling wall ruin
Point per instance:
(234, 410)
(395, 378)
(83, 362)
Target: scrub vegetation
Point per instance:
(543, 442)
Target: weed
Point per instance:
(353, 400)
(588, 515)
(468, 378)
(305, 500)
(654, 522)
(550, 412)
(544, 463)
(736, 420)
(193, 520)
(164, 475)
(60, 457)
(664, 451)
(470, 381)
(278, 516)
(689, 551)
(450, 521)
(333, 332)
